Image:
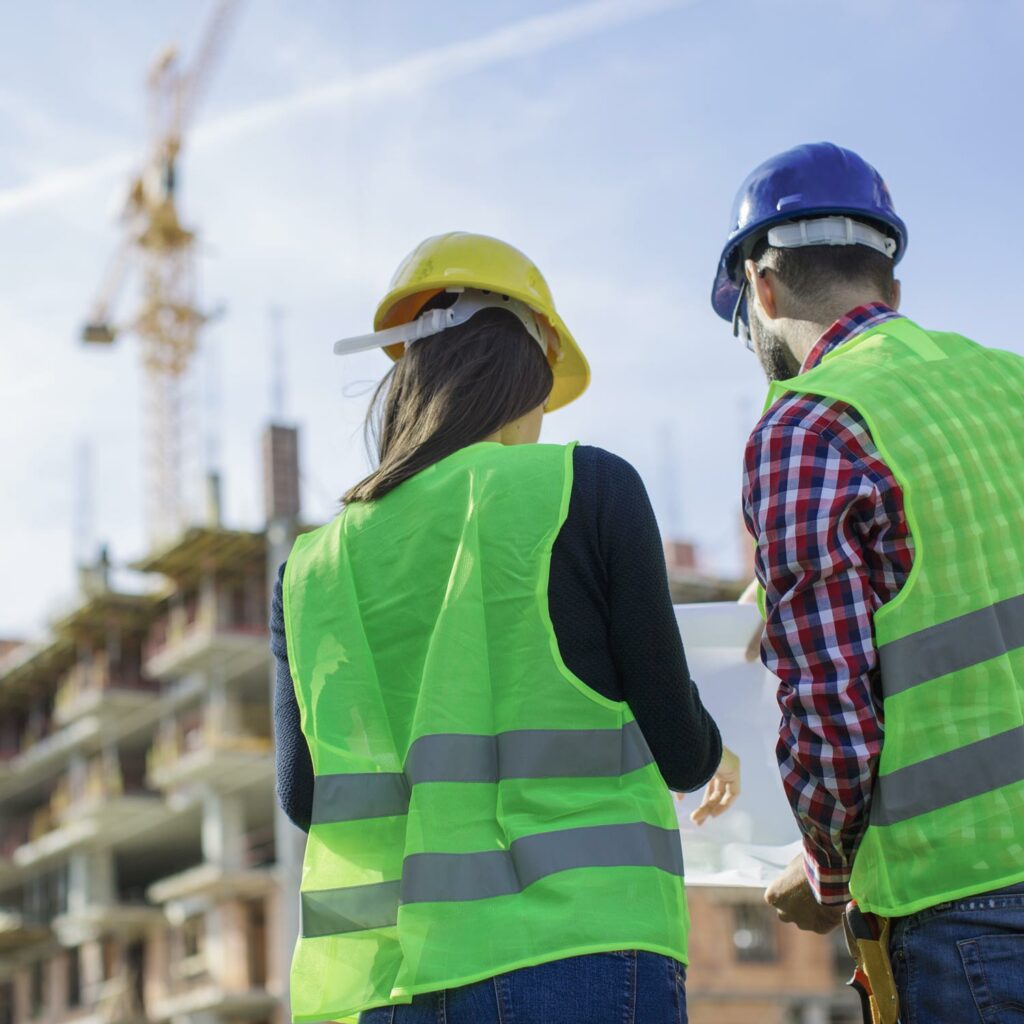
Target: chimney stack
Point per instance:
(95, 579)
(281, 473)
(214, 511)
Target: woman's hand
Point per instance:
(721, 791)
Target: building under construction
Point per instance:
(145, 873)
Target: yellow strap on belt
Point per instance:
(873, 959)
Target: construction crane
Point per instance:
(154, 243)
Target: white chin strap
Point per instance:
(830, 231)
(470, 301)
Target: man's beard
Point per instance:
(777, 361)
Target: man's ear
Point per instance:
(762, 284)
(897, 293)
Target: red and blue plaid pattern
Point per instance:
(832, 547)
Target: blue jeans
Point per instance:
(962, 962)
(600, 988)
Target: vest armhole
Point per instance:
(542, 593)
(780, 389)
(289, 632)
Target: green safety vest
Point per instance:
(477, 808)
(947, 808)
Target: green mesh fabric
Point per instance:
(424, 615)
(947, 416)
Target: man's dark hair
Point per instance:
(814, 273)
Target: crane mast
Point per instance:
(155, 245)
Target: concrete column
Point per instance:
(814, 1013)
(176, 615)
(91, 880)
(57, 984)
(113, 777)
(113, 649)
(90, 967)
(222, 706)
(156, 967)
(209, 610)
(232, 962)
(223, 830)
(78, 769)
(226, 953)
(21, 982)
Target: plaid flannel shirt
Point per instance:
(832, 547)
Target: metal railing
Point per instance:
(216, 612)
(96, 678)
(251, 729)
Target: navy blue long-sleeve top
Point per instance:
(610, 607)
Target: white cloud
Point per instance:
(441, 64)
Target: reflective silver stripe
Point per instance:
(528, 754)
(948, 778)
(453, 757)
(354, 797)
(448, 877)
(337, 911)
(443, 877)
(952, 646)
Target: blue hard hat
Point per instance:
(818, 178)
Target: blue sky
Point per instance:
(606, 139)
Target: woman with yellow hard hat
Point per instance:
(482, 699)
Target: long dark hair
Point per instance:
(449, 391)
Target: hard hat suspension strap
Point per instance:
(830, 231)
(468, 303)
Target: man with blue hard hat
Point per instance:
(884, 486)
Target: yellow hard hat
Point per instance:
(462, 260)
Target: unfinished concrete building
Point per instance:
(136, 789)
(139, 869)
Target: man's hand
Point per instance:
(721, 791)
(791, 895)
